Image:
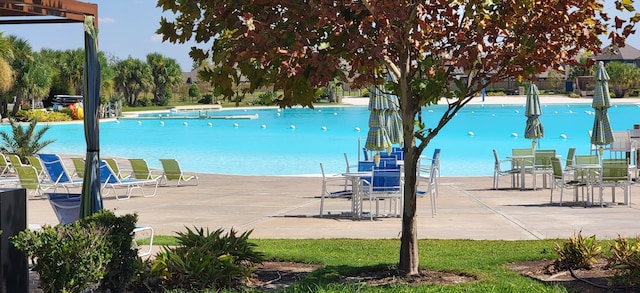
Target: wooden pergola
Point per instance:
(46, 11)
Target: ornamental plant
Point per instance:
(577, 253)
(204, 260)
(67, 258)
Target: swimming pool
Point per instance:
(295, 141)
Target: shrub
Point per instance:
(577, 253)
(267, 98)
(123, 263)
(95, 249)
(44, 116)
(496, 93)
(625, 257)
(204, 260)
(206, 99)
(67, 258)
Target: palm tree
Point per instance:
(24, 143)
(6, 72)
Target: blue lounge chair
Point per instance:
(66, 206)
(57, 172)
(109, 179)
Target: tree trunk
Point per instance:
(409, 260)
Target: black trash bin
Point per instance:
(14, 272)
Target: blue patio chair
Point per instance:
(385, 184)
(66, 206)
(57, 172)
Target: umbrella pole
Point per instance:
(533, 144)
(601, 150)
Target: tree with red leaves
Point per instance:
(294, 47)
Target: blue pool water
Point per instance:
(295, 141)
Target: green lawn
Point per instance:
(486, 260)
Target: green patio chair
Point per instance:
(78, 164)
(113, 164)
(5, 165)
(173, 172)
(30, 180)
(36, 163)
(141, 170)
(542, 165)
(561, 179)
(615, 173)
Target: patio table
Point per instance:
(521, 161)
(356, 197)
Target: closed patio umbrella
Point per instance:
(534, 129)
(601, 134)
(91, 201)
(377, 137)
(385, 127)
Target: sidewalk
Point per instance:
(287, 207)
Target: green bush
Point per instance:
(67, 258)
(97, 249)
(625, 258)
(124, 257)
(267, 98)
(577, 253)
(43, 116)
(204, 260)
(496, 93)
(206, 99)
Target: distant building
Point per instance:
(627, 55)
(191, 77)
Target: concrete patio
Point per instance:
(287, 207)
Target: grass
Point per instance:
(484, 259)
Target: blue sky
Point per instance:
(127, 28)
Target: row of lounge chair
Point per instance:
(47, 171)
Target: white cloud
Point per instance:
(106, 20)
(156, 38)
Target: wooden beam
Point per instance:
(53, 10)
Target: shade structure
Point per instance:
(91, 201)
(385, 122)
(377, 137)
(601, 134)
(533, 129)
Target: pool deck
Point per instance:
(287, 207)
(509, 100)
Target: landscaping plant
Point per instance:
(625, 257)
(204, 260)
(67, 258)
(577, 253)
(123, 262)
